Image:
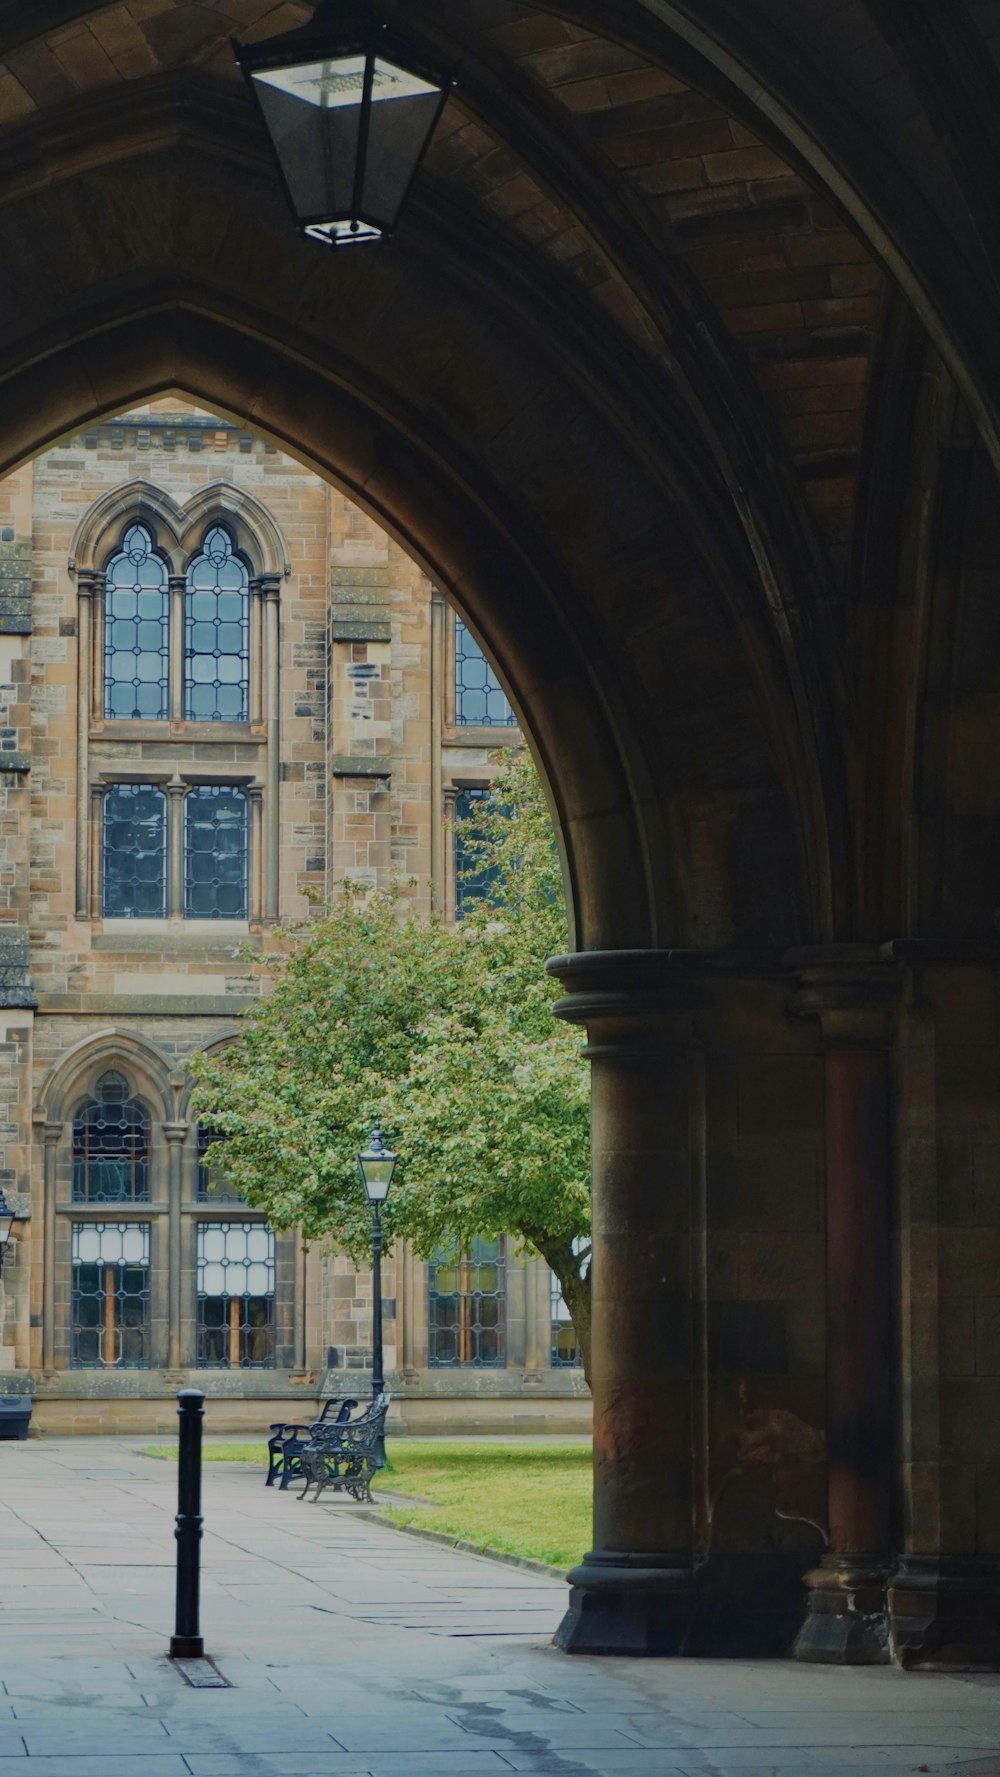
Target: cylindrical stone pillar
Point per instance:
(174, 1134)
(634, 1593)
(52, 1134)
(851, 992)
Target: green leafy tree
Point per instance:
(447, 1035)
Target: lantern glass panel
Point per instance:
(313, 113)
(403, 114)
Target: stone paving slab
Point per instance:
(352, 1651)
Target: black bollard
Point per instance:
(186, 1643)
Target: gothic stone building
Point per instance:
(240, 689)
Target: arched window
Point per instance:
(136, 628)
(480, 700)
(216, 633)
(111, 1145)
(213, 1186)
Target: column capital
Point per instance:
(851, 988)
(266, 586)
(88, 582)
(52, 1133)
(175, 1132)
(624, 986)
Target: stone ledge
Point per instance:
(364, 765)
(360, 629)
(137, 1005)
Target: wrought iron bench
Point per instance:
(346, 1455)
(287, 1442)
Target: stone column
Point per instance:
(255, 640)
(439, 618)
(255, 795)
(538, 1354)
(97, 795)
(175, 1135)
(300, 1369)
(634, 1593)
(449, 874)
(52, 1134)
(85, 590)
(272, 714)
(851, 990)
(176, 647)
(176, 794)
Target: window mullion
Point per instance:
(177, 795)
(178, 585)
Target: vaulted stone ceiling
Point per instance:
(671, 277)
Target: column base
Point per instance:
(632, 1605)
(847, 1621)
(945, 1613)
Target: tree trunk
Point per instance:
(564, 1264)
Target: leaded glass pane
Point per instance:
(467, 1307)
(236, 1280)
(136, 626)
(213, 1186)
(565, 1350)
(471, 883)
(111, 1138)
(135, 852)
(110, 1296)
(480, 701)
(215, 853)
(216, 634)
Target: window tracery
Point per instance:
(136, 631)
(216, 633)
(111, 1145)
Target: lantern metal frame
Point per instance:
(340, 29)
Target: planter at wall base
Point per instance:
(633, 1605)
(15, 1416)
(847, 1619)
(945, 1613)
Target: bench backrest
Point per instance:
(359, 1433)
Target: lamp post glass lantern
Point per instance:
(350, 112)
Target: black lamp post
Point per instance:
(349, 111)
(376, 1166)
(7, 1220)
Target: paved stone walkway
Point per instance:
(355, 1652)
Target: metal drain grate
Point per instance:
(201, 1675)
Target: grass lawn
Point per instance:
(518, 1499)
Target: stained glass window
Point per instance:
(110, 1296)
(215, 853)
(136, 627)
(236, 1277)
(213, 1186)
(480, 701)
(135, 852)
(467, 1307)
(111, 1146)
(216, 633)
(471, 882)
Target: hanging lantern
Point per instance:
(349, 112)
